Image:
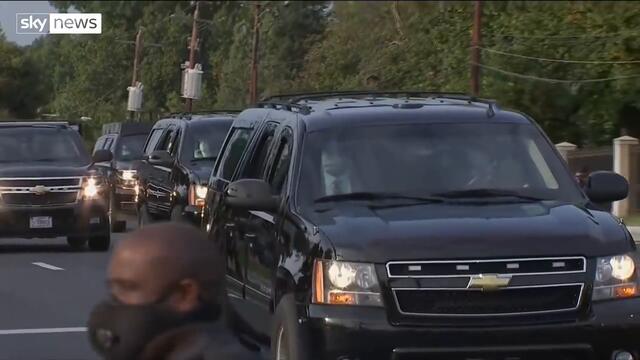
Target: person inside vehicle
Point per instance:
(337, 174)
(166, 283)
(202, 150)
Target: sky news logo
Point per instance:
(40, 23)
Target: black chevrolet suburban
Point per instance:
(48, 185)
(418, 226)
(125, 141)
(178, 156)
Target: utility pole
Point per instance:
(476, 37)
(136, 61)
(192, 49)
(253, 86)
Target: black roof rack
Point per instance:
(297, 97)
(187, 115)
(289, 106)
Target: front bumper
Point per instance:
(365, 333)
(85, 218)
(125, 199)
(193, 215)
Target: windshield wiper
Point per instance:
(486, 193)
(376, 196)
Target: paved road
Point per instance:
(46, 293)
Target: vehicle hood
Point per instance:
(200, 172)
(48, 170)
(125, 165)
(443, 231)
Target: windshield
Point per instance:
(42, 145)
(204, 140)
(130, 147)
(442, 160)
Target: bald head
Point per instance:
(153, 262)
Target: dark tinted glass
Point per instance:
(130, 147)
(204, 140)
(233, 152)
(424, 160)
(42, 145)
(153, 141)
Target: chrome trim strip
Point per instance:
(43, 178)
(28, 191)
(229, 277)
(584, 267)
(263, 215)
(580, 297)
(261, 293)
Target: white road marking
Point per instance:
(43, 331)
(47, 266)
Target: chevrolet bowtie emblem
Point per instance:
(489, 282)
(39, 190)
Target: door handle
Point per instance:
(250, 236)
(230, 226)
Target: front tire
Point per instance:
(289, 340)
(176, 214)
(144, 218)
(117, 225)
(76, 242)
(100, 243)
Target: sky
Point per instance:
(8, 10)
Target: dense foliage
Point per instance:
(339, 45)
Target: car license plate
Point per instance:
(41, 222)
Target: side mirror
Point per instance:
(161, 158)
(606, 186)
(102, 156)
(251, 194)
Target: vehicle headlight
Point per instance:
(127, 175)
(91, 187)
(616, 277)
(197, 195)
(345, 283)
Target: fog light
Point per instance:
(622, 355)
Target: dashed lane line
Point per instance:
(47, 266)
(43, 331)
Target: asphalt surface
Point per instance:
(46, 294)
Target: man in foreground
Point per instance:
(167, 300)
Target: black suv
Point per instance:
(178, 156)
(48, 186)
(125, 141)
(418, 226)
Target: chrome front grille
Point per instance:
(40, 191)
(501, 287)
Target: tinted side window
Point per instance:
(229, 159)
(153, 141)
(98, 145)
(108, 143)
(281, 166)
(166, 143)
(257, 164)
(174, 143)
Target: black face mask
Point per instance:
(120, 332)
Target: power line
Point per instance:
(577, 36)
(559, 60)
(557, 81)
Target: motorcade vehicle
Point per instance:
(417, 225)
(177, 160)
(49, 186)
(125, 141)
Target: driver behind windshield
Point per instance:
(338, 173)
